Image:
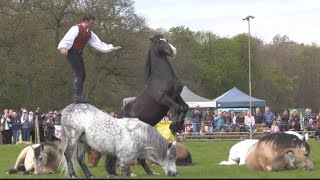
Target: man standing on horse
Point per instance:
(72, 46)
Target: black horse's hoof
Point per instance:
(74, 177)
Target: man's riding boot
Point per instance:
(77, 94)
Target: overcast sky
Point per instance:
(298, 19)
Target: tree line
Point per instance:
(33, 73)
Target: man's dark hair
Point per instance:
(89, 17)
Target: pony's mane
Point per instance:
(37, 149)
(156, 140)
(283, 140)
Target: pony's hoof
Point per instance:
(22, 173)
(111, 176)
(74, 177)
(133, 175)
(155, 173)
(50, 172)
(91, 177)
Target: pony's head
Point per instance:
(40, 159)
(162, 46)
(302, 154)
(169, 162)
(284, 143)
(161, 151)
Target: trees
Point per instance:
(33, 73)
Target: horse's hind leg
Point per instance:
(81, 159)
(110, 164)
(71, 144)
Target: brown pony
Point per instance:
(270, 153)
(183, 156)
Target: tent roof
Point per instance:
(188, 96)
(193, 100)
(236, 98)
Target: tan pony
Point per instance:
(37, 159)
(270, 153)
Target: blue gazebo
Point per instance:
(234, 98)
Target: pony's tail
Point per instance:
(185, 162)
(63, 165)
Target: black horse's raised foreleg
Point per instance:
(110, 164)
(176, 126)
(81, 160)
(167, 101)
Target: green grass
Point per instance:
(206, 156)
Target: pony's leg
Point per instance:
(125, 168)
(110, 165)
(81, 159)
(145, 166)
(71, 144)
(19, 161)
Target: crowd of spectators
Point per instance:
(229, 121)
(20, 125)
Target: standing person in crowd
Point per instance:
(227, 120)
(49, 120)
(57, 117)
(274, 127)
(285, 116)
(268, 117)
(294, 116)
(7, 131)
(234, 123)
(197, 118)
(218, 121)
(32, 126)
(20, 113)
(72, 46)
(258, 116)
(249, 122)
(318, 121)
(310, 115)
(16, 124)
(25, 125)
(41, 124)
(208, 121)
(240, 121)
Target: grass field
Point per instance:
(206, 156)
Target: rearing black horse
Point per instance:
(160, 93)
(162, 88)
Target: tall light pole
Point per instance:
(248, 19)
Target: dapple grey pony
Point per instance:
(126, 138)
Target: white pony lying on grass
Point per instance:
(238, 152)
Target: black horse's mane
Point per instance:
(283, 140)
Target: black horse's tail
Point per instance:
(185, 162)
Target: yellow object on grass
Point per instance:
(163, 128)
